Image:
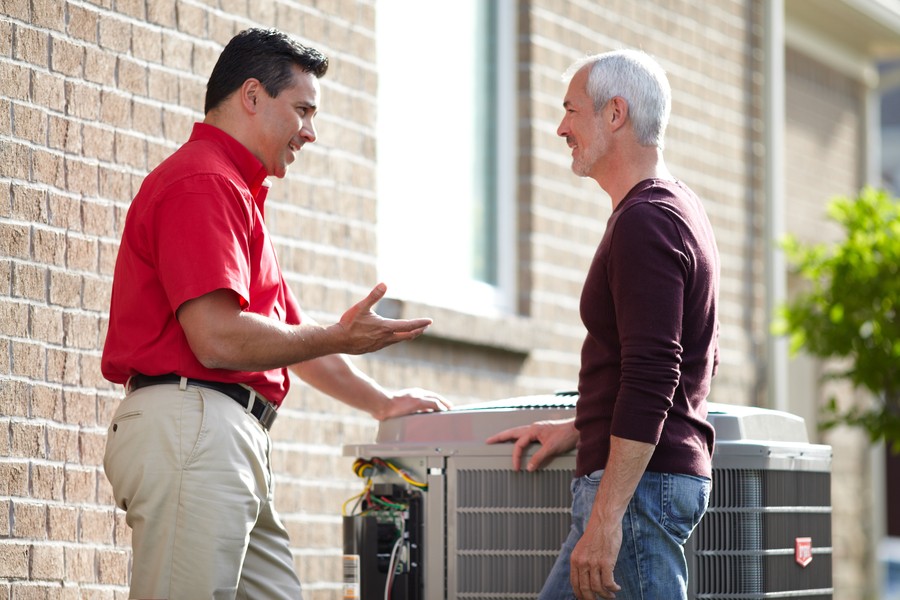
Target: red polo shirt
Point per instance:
(195, 226)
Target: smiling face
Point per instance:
(582, 128)
(285, 122)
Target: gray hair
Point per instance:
(640, 80)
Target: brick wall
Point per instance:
(825, 127)
(94, 94)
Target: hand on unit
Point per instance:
(554, 437)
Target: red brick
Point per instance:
(29, 204)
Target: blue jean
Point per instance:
(661, 516)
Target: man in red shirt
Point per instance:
(203, 330)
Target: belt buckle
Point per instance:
(267, 418)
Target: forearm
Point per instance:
(252, 342)
(222, 336)
(626, 465)
(339, 378)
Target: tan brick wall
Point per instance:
(94, 94)
(825, 126)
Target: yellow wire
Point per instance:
(359, 495)
(403, 475)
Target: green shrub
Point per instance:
(849, 308)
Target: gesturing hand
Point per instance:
(366, 331)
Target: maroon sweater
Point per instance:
(649, 306)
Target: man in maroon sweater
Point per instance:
(649, 305)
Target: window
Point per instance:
(446, 151)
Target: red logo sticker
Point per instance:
(803, 551)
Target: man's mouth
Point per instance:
(294, 147)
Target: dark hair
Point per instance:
(264, 54)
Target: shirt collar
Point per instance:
(248, 166)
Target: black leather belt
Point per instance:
(262, 409)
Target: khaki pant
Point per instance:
(191, 469)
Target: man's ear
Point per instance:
(618, 114)
(249, 92)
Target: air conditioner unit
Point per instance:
(481, 531)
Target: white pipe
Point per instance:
(776, 279)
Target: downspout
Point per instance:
(775, 275)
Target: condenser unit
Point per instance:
(444, 516)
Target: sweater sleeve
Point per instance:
(648, 269)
